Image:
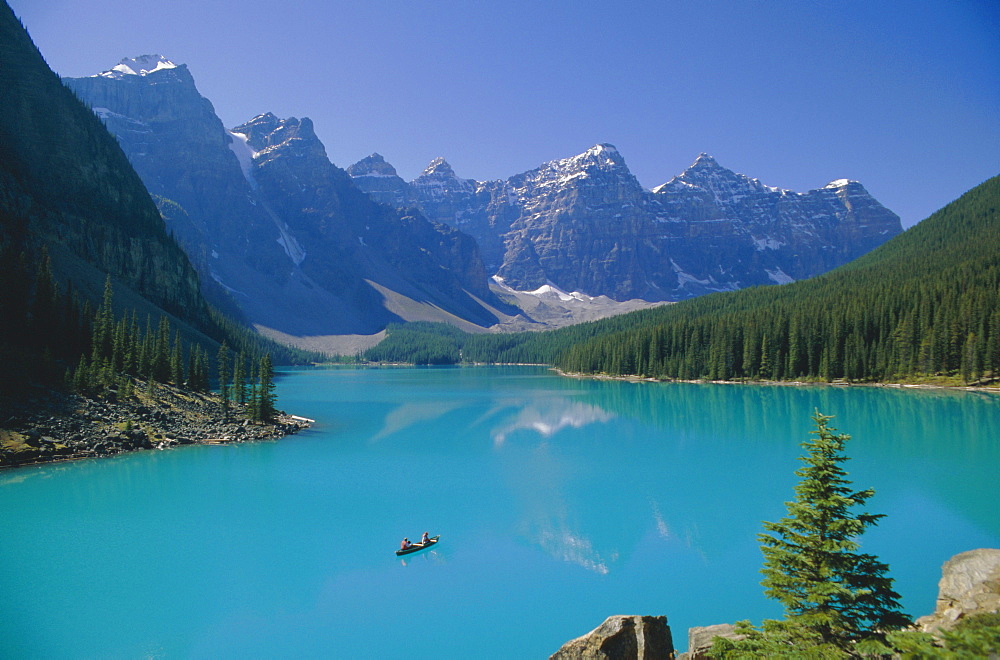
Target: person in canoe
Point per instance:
(425, 539)
(405, 544)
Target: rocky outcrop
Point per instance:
(622, 638)
(52, 426)
(970, 585)
(700, 640)
(585, 224)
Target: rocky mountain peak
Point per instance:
(841, 183)
(600, 156)
(704, 167)
(266, 133)
(705, 161)
(138, 66)
(374, 165)
(257, 129)
(724, 184)
(439, 168)
(439, 179)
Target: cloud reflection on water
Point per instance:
(550, 416)
(541, 478)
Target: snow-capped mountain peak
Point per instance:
(604, 156)
(704, 160)
(840, 183)
(439, 167)
(439, 177)
(372, 166)
(138, 66)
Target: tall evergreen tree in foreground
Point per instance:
(837, 600)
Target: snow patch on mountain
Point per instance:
(244, 154)
(766, 244)
(684, 278)
(552, 291)
(137, 66)
(105, 114)
(779, 276)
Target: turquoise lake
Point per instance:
(559, 502)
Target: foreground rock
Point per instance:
(970, 585)
(50, 426)
(622, 638)
(700, 640)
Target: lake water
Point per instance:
(559, 502)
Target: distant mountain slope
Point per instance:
(266, 216)
(925, 304)
(586, 224)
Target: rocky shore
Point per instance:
(991, 386)
(44, 425)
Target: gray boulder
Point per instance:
(970, 585)
(700, 640)
(622, 638)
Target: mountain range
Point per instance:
(303, 249)
(586, 224)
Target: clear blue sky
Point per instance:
(902, 96)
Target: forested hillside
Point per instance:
(926, 304)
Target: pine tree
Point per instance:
(239, 379)
(253, 402)
(811, 564)
(177, 362)
(265, 391)
(161, 352)
(223, 358)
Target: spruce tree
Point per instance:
(239, 379)
(177, 362)
(811, 563)
(253, 402)
(161, 351)
(265, 392)
(223, 358)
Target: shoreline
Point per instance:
(785, 383)
(991, 389)
(48, 426)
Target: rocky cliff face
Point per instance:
(268, 219)
(586, 224)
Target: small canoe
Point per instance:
(417, 547)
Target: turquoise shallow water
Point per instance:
(559, 502)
